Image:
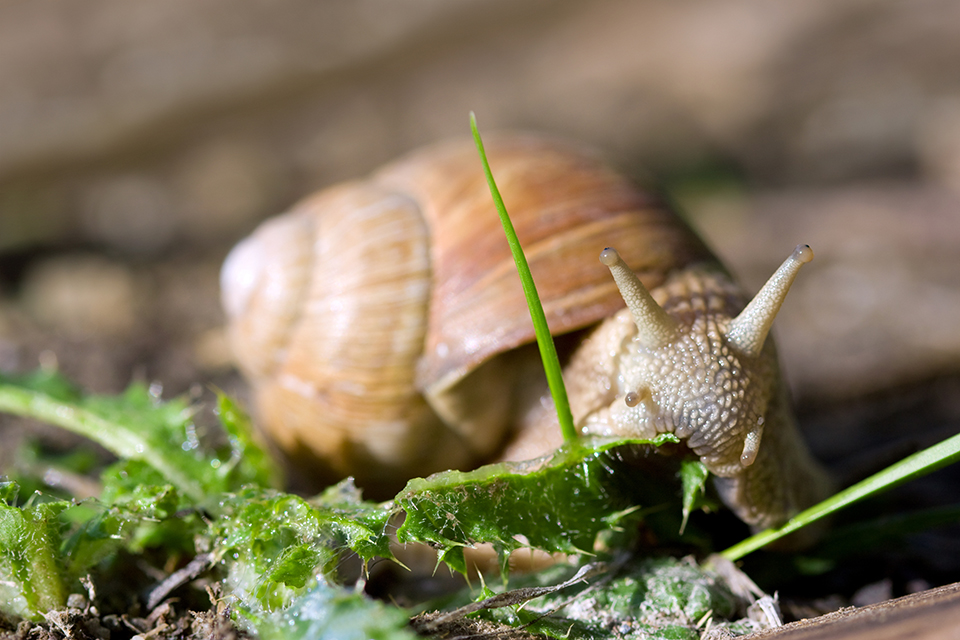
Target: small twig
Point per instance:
(515, 596)
(193, 569)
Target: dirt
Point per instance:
(166, 622)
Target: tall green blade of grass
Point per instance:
(548, 351)
(910, 468)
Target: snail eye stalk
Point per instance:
(748, 331)
(656, 327)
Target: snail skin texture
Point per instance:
(384, 332)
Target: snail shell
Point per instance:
(382, 326)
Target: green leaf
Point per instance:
(559, 503)
(46, 546)
(9, 491)
(135, 426)
(272, 544)
(693, 479)
(31, 575)
(249, 460)
(334, 613)
(49, 383)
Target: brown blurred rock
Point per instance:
(82, 296)
(129, 211)
(105, 323)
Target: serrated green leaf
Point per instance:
(250, 462)
(136, 426)
(272, 544)
(693, 481)
(31, 576)
(558, 503)
(334, 613)
(46, 546)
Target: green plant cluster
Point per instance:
(277, 556)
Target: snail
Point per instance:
(385, 335)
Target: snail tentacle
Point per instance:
(656, 328)
(748, 331)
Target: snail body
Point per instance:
(383, 329)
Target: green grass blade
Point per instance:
(915, 466)
(548, 351)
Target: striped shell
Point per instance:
(385, 334)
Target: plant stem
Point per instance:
(548, 351)
(915, 466)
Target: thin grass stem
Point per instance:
(910, 468)
(548, 351)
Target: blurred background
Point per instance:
(140, 141)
